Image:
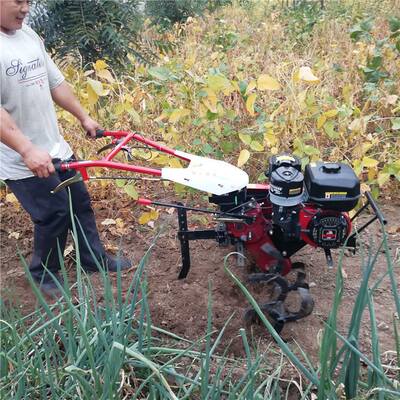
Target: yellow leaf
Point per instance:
(220, 83)
(243, 157)
(321, 121)
(301, 99)
(119, 222)
(369, 162)
(190, 60)
(177, 114)
(383, 177)
(106, 75)
(252, 85)
(250, 104)
(267, 82)
(10, 198)
(174, 163)
(119, 108)
(365, 147)
(146, 217)
(269, 138)
(372, 173)
(256, 146)
(97, 86)
(92, 95)
(246, 139)
(358, 125)
(235, 86)
(330, 113)
(305, 74)
(100, 65)
(211, 100)
(347, 94)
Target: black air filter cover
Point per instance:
(333, 186)
(286, 186)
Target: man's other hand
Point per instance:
(90, 126)
(38, 161)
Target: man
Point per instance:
(30, 138)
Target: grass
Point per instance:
(78, 348)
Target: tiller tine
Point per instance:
(276, 309)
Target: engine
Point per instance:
(292, 210)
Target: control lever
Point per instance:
(114, 143)
(74, 179)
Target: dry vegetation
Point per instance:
(240, 84)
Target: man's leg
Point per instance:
(87, 231)
(50, 215)
(85, 223)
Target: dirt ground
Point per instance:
(180, 306)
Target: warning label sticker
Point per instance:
(335, 195)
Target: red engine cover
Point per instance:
(258, 241)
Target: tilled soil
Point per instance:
(180, 306)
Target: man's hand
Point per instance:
(65, 98)
(90, 126)
(38, 161)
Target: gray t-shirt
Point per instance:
(27, 74)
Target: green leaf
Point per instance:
(396, 124)
(329, 128)
(246, 139)
(131, 191)
(161, 73)
(120, 182)
(394, 23)
(256, 146)
(227, 147)
(135, 116)
(219, 83)
(207, 148)
(310, 150)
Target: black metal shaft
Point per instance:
(180, 206)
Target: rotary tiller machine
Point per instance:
(270, 222)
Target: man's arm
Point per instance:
(37, 160)
(63, 96)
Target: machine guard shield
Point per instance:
(212, 176)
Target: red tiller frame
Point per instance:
(106, 162)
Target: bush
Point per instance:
(167, 12)
(91, 29)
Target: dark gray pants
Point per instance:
(50, 214)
